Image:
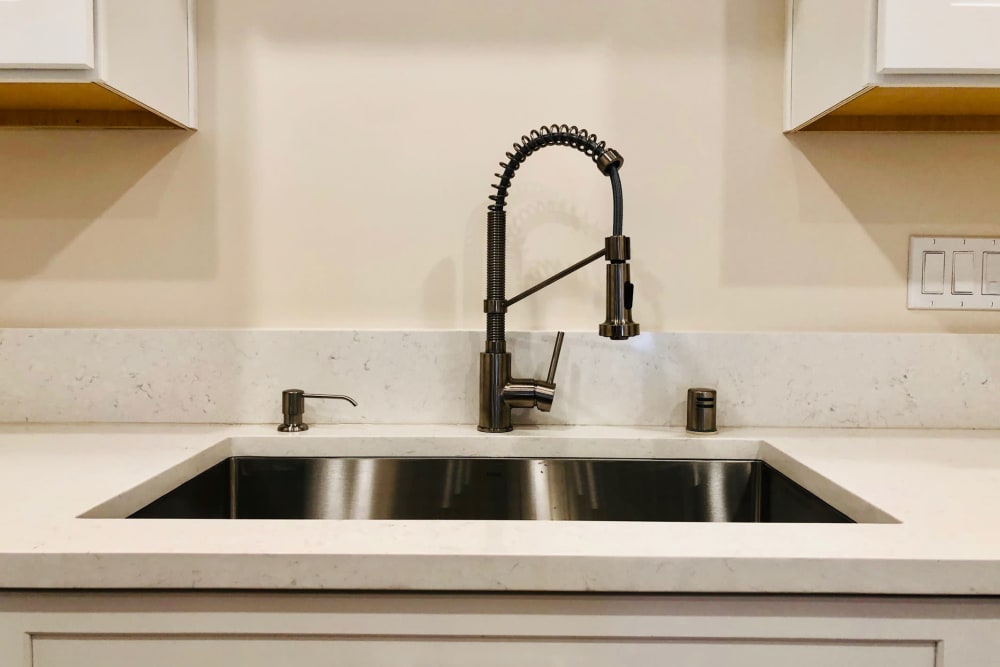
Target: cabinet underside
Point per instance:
(913, 109)
(70, 105)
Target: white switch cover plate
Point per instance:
(954, 273)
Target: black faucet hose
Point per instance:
(561, 135)
(616, 195)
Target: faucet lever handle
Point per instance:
(555, 357)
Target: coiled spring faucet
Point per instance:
(498, 391)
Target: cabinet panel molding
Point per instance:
(947, 36)
(46, 34)
(266, 651)
(87, 629)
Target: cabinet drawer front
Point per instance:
(46, 34)
(290, 651)
(938, 36)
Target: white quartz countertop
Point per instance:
(935, 497)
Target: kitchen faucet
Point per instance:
(498, 391)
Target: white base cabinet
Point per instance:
(447, 630)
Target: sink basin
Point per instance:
(246, 487)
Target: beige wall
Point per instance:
(346, 152)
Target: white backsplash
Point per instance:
(236, 376)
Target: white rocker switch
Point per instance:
(991, 273)
(963, 272)
(932, 276)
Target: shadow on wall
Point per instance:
(896, 186)
(637, 22)
(437, 91)
(418, 76)
(61, 185)
(601, 35)
(887, 187)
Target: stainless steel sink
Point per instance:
(490, 489)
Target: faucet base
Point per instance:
(494, 374)
(618, 330)
(484, 429)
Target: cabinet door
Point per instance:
(46, 34)
(938, 36)
(159, 629)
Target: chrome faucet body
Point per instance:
(499, 392)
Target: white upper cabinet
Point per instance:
(97, 63)
(46, 34)
(939, 36)
(893, 65)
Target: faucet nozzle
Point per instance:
(618, 324)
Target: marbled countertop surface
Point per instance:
(942, 488)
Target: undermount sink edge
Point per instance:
(517, 458)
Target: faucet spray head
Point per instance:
(618, 324)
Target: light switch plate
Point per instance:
(971, 271)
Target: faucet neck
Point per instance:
(608, 161)
(496, 279)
